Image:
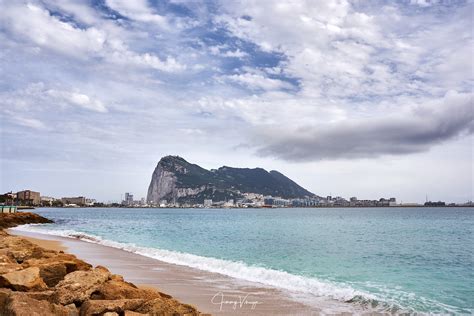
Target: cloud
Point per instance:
(37, 97)
(418, 130)
(29, 122)
(138, 10)
(100, 42)
(258, 81)
(78, 99)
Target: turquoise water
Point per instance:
(408, 259)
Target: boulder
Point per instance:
(9, 267)
(99, 307)
(41, 296)
(161, 306)
(132, 313)
(116, 289)
(20, 304)
(21, 249)
(23, 280)
(79, 285)
(54, 267)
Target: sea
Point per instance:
(397, 260)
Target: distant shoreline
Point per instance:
(296, 207)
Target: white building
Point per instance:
(208, 202)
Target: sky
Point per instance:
(351, 98)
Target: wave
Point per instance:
(295, 285)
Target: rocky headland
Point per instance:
(37, 281)
(176, 180)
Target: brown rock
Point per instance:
(79, 285)
(110, 314)
(20, 304)
(4, 294)
(132, 313)
(161, 306)
(70, 261)
(9, 267)
(98, 307)
(15, 219)
(114, 290)
(54, 269)
(23, 280)
(40, 296)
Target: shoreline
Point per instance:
(209, 292)
(38, 278)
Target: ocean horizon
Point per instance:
(415, 260)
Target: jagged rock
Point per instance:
(23, 280)
(79, 285)
(132, 313)
(41, 295)
(54, 268)
(20, 249)
(98, 307)
(161, 306)
(7, 263)
(20, 304)
(14, 219)
(114, 290)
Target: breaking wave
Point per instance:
(299, 286)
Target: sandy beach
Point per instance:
(209, 292)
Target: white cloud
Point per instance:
(257, 81)
(78, 99)
(29, 122)
(138, 10)
(36, 24)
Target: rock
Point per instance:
(40, 296)
(132, 313)
(20, 249)
(110, 314)
(9, 267)
(23, 280)
(79, 285)
(114, 290)
(20, 304)
(98, 307)
(4, 294)
(161, 306)
(54, 268)
(175, 179)
(14, 219)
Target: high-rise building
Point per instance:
(128, 199)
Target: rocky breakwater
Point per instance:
(37, 281)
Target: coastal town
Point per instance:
(29, 198)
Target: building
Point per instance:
(207, 202)
(47, 200)
(128, 199)
(90, 202)
(28, 197)
(79, 200)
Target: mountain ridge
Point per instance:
(175, 179)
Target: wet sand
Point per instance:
(47, 244)
(209, 292)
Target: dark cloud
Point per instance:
(412, 132)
